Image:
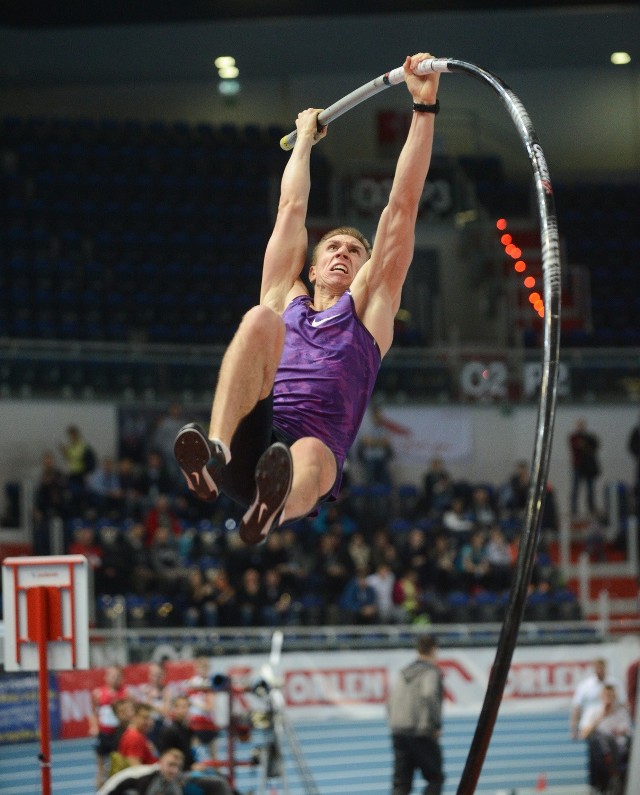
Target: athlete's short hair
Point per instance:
(341, 230)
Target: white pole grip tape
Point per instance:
(366, 91)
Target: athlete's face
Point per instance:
(338, 260)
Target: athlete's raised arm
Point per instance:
(287, 248)
(378, 287)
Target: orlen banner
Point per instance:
(325, 685)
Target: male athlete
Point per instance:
(297, 376)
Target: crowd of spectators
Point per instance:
(181, 711)
(443, 551)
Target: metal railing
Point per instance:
(133, 372)
(153, 643)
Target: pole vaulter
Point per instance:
(551, 272)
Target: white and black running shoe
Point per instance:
(200, 460)
(274, 472)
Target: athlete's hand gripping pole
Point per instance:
(370, 89)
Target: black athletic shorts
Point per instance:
(106, 743)
(252, 437)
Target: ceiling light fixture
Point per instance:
(223, 61)
(228, 72)
(620, 58)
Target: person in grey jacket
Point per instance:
(415, 720)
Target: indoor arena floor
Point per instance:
(527, 753)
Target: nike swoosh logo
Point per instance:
(263, 507)
(318, 321)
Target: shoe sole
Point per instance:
(274, 473)
(192, 452)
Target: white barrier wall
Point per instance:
(356, 684)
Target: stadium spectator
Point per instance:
(280, 608)
(84, 543)
(200, 608)
(176, 732)
(585, 466)
(51, 500)
(155, 478)
(134, 745)
(160, 778)
(473, 564)
(358, 600)
(513, 494)
(587, 695)
(408, 595)
(154, 693)
(482, 510)
(161, 514)
(359, 551)
(383, 580)
(414, 554)
(498, 556)
(444, 574)
(103, 722)
(250, 598)
(415, 720)
(332, 570)
(607, 729)
(166, 563)
(457, 518)
(80, 460)
(142, 575)
(437, 491)
(117, 564)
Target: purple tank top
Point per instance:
(326, 375)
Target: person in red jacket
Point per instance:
(134, 744)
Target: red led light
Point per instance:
(520, 266)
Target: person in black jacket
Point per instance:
(178, 733)
(415, 720)
(585, 465)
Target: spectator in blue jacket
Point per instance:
(359, 601)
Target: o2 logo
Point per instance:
(484, 381)
(490, 380)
